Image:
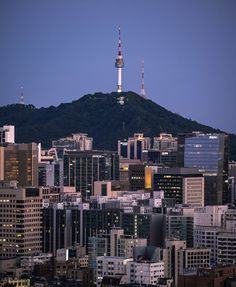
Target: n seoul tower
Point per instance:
(119, 65)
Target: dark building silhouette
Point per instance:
(82, 168)
(136, 176)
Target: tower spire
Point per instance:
(142, 92)
(22, 97)
(119, 64)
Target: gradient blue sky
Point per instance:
(59, 50)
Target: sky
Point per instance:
(60, 50)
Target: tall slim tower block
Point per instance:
(142, 92)
(119, 65)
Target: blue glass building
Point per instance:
(209, 153)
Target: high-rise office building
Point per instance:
(83, 168)
(100, 221)
(180, 185)
(20, 162)
(179, 226)
(62, 226)
(49, 173)
(209, 153)
(56, 228)
(21, 220)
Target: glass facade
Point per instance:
(209, 153)
(204, 152)
(81, 169)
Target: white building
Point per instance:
(230, 221)
(210, 215)
(215, 228)
(7, 134)
(111, 266)
(206, 237)
(145, 272)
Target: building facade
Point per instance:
(20, 162)
(21, 220)
(7, 134)
(209, 153)
(83, 168)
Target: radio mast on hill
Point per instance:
(119, 64)
(142, 93)
(22, 97)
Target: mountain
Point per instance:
(101, 117)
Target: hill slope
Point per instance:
(101, 117)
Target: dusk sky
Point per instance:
(60, 50)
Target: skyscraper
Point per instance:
(82, 168)
(180, 185)
(209, 153)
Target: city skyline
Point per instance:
(188, 49)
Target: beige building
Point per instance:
(19, 162)
(20, 220)
(193, 191)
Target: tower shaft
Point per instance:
(119, 64)
(119, 86)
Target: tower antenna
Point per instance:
(142, 92)
(22, 97)
(119, 64)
